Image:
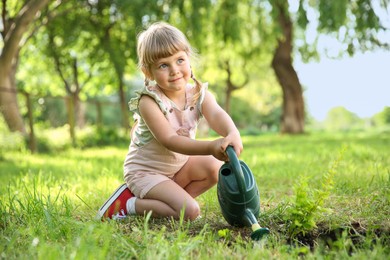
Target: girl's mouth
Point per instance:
(173, 80)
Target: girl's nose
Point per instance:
(174, 71)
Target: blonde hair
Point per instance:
(162, 40)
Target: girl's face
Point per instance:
(172, 73)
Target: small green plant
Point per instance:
(224, 233)
(308, 203)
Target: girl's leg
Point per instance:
(168, 199)
(198, 175)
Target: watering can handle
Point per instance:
(236, 168)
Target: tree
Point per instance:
(293, 116)
(382, 118)
(235, 48)
(115, 31)
(232, 46)
(355, 24)
(14, 32)
(65, 41)
(340, 119)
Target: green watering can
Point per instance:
(238, 195)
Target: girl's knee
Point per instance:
(212, 178)
(214, 171)
(192, 210)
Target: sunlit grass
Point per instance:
(49, 202)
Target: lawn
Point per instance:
(322, 195)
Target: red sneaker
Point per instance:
(115, 206)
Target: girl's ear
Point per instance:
(147, 73)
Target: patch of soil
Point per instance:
(323, 235)
(355, 232)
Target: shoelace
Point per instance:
(120, 215)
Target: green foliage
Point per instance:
(302, 16)
(307, 206)
(10, 141)
(102, 136)
(37, 75)
(355, 24)
(340, 119)
(249, 118)
(53, 112)
(110, 112)
(228, 21)
(382, 118)
(366, 16)
(333, 14)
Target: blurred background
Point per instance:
(68, 68)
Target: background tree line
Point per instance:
(86, 50)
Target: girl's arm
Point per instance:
(167, 136)
(222, 123)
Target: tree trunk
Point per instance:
(293, 116)
(13, 30)
(32, 140)
(70, 102)
(79, 109)
(228, 98)
(80, 113)
(230, 86)
(9, 103)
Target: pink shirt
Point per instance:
(146, 154)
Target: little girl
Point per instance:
(166, 168)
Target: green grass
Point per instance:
(322, 196)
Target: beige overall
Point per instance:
(148, 163)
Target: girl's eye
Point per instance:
(180, 61)
(163, 66)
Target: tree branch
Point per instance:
(15, 33)
(57, 64)
(51, 15)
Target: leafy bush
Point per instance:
(341, 119)
(10, 141)
(98, 136)
(247, 116)
(382, 118)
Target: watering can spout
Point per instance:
(258, 232)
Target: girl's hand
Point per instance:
(219, 146)
(218, 149)
(234, 140)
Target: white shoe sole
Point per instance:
(110, 200)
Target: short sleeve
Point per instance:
(150, 91)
